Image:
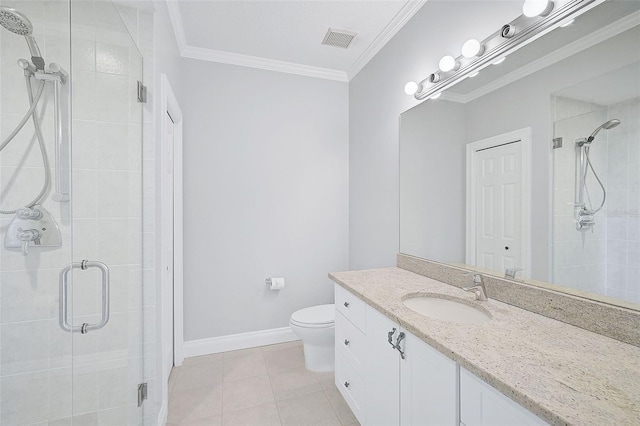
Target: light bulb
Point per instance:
(472, 48)
(436, 96)
(411, 88)
(499, 61)
(447, 63)
(532, 8)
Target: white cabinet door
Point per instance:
(428, 386)
(381, 371)
(482, 405)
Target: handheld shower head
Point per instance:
(18, 23)
(606, 126)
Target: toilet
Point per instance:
(315, 326)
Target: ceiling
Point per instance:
(286, 36)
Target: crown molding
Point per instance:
(262, 63)
(398, 21)
(570, 49)
(176, 22)
(453, 97)
(187, 51)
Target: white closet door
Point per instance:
(498, 187)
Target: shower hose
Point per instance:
(584, 180)
(32, 113)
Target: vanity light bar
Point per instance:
(508, 39)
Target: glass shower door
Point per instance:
(107, 217)
(70, 215)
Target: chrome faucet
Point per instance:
(511, 272)
(478, 288)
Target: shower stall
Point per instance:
(71, 215)
(596, 186)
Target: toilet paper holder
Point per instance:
(274, 283)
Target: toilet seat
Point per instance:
(320, 316)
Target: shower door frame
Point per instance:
(169, 104)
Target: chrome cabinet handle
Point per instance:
(390, 337)
(346, 304)
(346, 384)
(401, 337)
(346, 342)
(64, 284)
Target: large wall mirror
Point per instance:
(534, 164)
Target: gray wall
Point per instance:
(376, 99)
(432, 181)
(265, 192)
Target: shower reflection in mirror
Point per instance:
(585, 215)
(596, 185)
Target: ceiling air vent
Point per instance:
(338, 38)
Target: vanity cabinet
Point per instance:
(482, 405)
(418, 386)
(428, 385)
(381, 370)
(350, 350)
(380, 386)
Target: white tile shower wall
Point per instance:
(578, 257)
(623, 202)
(35, 361)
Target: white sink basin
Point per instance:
(446, 310)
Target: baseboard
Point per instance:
(234, 342)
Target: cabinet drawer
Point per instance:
(350, 341)
(351, 386)
(351, 307)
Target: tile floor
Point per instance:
(258, 387)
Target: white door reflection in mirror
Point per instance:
(498, 190)
(497, 203)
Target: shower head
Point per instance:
(606, 126)
(19, 24)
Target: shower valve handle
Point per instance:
(27, 236)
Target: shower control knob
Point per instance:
(29, 235)
(346, 304)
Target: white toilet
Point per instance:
(315, 326)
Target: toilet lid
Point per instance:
(315, 316)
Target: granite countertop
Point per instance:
(563, 374)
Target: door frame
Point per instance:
(169, 105)
(524, 136)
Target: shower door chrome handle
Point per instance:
(64, 284)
